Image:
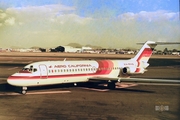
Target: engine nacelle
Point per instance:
(130, 71)
(127, 70)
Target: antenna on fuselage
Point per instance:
(64, 59)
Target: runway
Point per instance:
(137, 102)
(129, 101)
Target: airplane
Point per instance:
(109, 71)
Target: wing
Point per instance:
(136, 80)
(147, 80)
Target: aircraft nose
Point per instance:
(10, 80)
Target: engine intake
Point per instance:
(127, 70)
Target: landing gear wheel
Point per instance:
(111, 85)
(75, 84)
(24, 90)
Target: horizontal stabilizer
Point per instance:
(161, 43)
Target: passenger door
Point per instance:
(43, 71)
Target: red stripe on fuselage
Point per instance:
(50, 76)
(104, 67)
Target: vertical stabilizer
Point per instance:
(145, 52)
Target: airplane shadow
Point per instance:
(98, 85)
(5, 87)
(134, 90)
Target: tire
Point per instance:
(24, 92)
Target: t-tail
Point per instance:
(143, 56)
(145, 53)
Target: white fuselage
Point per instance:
(58, 72)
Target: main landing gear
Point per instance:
(111, 85)
(24, 90)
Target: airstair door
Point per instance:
(43, 71)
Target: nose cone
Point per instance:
(11, 81)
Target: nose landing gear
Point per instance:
(24, 90)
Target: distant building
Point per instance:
(72, 49)
(88, 50)
(65, 49)
(175, 53)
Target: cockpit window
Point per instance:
(31, 69)
(34, 70)
(25, 69)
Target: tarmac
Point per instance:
(129, 101)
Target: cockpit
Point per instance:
(30, 69)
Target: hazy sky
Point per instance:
(106, 23)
